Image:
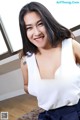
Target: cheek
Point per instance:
(29, 35)
(43, 29)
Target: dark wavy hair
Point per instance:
(56, 32)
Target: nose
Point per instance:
(36, 31)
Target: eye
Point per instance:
(28, 28)
(40, 24)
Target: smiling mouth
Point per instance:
(39, 38)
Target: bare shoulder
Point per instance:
(76, 50)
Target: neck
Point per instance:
(48, 49)
(44, 50)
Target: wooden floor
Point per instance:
(18, 106)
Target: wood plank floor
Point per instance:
(18, 106)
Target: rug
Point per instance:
(33, 115)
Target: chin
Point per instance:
(41, 46)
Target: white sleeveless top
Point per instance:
(62, 90)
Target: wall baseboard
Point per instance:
(12, 94)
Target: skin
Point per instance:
(36, 33)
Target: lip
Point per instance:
(37, 38)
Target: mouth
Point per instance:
(39, 38)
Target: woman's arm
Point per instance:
(25, 74)
(76, 50)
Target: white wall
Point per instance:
(77, 32)
(11, 80)
(11, 84)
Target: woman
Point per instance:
(48, 63)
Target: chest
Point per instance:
(48, 65)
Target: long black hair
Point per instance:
(56, 32)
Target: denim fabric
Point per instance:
(63, 113)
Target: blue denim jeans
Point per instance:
(63, 113)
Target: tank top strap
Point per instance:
(32, 74)
(67, 53)
(32, 69)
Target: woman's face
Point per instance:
(35, 30)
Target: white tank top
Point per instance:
(62, 90)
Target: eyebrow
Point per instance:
(31, 24)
